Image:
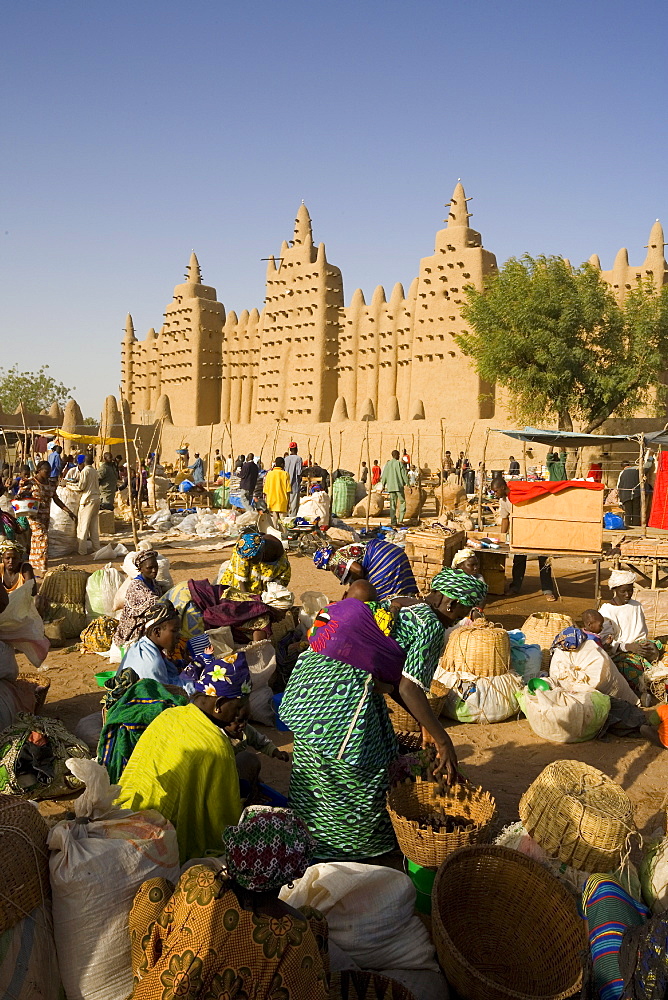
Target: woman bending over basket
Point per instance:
(256, 561)
(334, 706)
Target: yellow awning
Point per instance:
(83, 438)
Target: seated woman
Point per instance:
(333, 704)
(632, 650)
(257, 559)
(143, 592)
(183, 765)
(147, 657)
(15, 569)
(226, 934)
(383, 564)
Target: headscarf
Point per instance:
(269, 848)
(461, 556)
(8, 546)
(223, 676)
(316, 488)
(570, 639)
(81, 459)
(144, 554)
(158, 614)
(620, 578)
(460, 586)
(322, 556)
(250, 544)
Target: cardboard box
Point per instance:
(569, 521)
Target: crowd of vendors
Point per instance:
(196, 666)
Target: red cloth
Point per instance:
(596, 472)
(519, 491)
(659, 515)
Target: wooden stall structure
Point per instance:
(429, 551)
(568, 521)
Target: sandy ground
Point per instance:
(503, 758)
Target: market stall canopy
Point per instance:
(83, 438)
(570, 439)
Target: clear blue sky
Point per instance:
(134, 132)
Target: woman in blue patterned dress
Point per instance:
(344, 741)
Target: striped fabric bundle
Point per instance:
(610, 911)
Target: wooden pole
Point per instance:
(273, 452)
(25, 433)
(483, 479)
(209, 463)
(440, 513)
(418, 458)
(359, 465)
(368, 462)
(127, 459)
(524, 459)
(641, 480)
(331, 452)
(338, 461)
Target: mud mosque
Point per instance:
(310, 365)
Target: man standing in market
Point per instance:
(88, 485)
(293, 467)
(394, 479)
(248, 477)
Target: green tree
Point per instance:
(556, 338)
(37, 390)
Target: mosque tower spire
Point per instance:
(194, 276)
(459, 213)
(303, 234)
(129, 330)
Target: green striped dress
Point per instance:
(344, 741)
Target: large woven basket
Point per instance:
(579, 815)
(403, 722)
(412, 802)
(366, 985)
(65, 585)
(541, 627)
(505, 928)
(25, 867)
(482, 649)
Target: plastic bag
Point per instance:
(525, 658)
(565, 717)
(480, 699)
(369, 913)
(313, 601)
(98, 861)
(22, 627)
(613, 522)
(101, 589)
(110, 551)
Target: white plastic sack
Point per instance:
(21, 625)
(313, 601)
(369, 911)
(9, 668)
(110, 551)
(565, 717)
(59, 519)
(98, 861)
(588, 668)
(221, 640)
(28, 964)
(654, 876)
(261, 658)
(101, 588)
(480, 699)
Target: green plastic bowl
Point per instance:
(423, 880)
(539, 684)
(104, 676)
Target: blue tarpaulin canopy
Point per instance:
(573, 439)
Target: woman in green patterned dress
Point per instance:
(344, 741)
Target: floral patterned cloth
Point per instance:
(199, 942)
(269, 847)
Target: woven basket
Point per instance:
(409, 742)
(412, 801)
(25, 869)
(579, 815)
(505, 928)
(482, 649)
(403, 722)
(540, 629)
(64, 585)
(38, 686)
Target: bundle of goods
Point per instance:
(114, 850)
(101, 589)
(564, 716)
(402, 720)
(654, 876)
(62, 529)
(505, 928)
(98, 636)
(429, 550)
(374, 503)
(415, 497)
(432, 820)
(541, 627)
(65, 589)
(28, 967)
(33, 752)
(454, 497)
(343, 496)
(476, 670)
(579, 815)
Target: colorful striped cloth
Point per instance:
(610, 911)
(388, 569)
